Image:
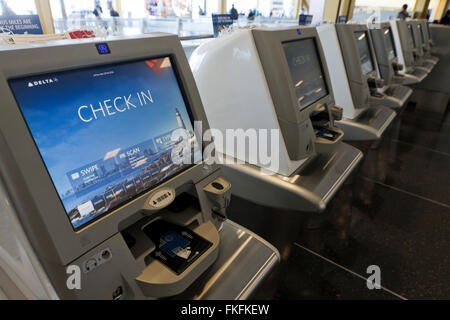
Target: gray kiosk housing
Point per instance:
(407, 44)
(287, 88)
(360, 76)
(322, 183)
(298, 135)
(427, 42)
(404, 47)
(388, 66)
(362, 73)
(406, 36)
(415, 32)
(326, 162)
(383, 42)
(111, 266)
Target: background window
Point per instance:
(182, 17)
(432, 8)
(265, 8)
(15, 7)
(381, 9)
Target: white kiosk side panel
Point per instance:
(336, 68)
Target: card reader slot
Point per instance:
(183, 211)
(177, 247)
(166, 279)
(326, 133)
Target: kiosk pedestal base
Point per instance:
(368, 125)
(245, 260)
(275, 207)
(427, 65)
(432, 59)
(308, 189)
(396, 96)
(416, 75)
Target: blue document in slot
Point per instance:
(173, 244)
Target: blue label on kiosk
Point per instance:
(305, 19)
(22, 24)
(342, 19)
(220, 22)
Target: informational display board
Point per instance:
(305, 19)
(21, 24)
(220, 22)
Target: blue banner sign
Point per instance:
(22, 24)
(220, 22)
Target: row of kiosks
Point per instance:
(275, 81)
(413, 44)
(355, 80)
(104, 192)
(110, 189)
(316, 87)
(380, 60)
(390, 57)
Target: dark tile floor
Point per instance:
(398, 218)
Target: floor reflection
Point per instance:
(395, 214)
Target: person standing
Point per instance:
(200, 11)
(113, 13)
(403, 14)
(98, 11)
(446, 19)
(234, 13)
(251, 15)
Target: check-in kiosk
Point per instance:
(102, 180)
(276, 80)
(388, 66)
(414, 29)
(355, 81)
(426, 40)
(404, 47)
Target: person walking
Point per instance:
(403, 14)
(446, 19)
(234, 13)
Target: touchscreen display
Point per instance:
(365, 55)
(306, 71)
(389, 43)
(411, 39)
(422, 36)
(107, 133)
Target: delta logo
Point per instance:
(43, 82)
